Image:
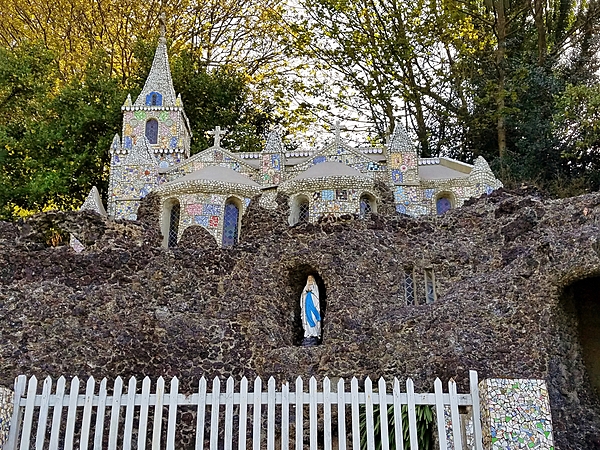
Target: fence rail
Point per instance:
(94, 419)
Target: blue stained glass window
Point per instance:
(152, 131)
(443, 204)
(153, 99)
(230, 225)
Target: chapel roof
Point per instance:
(329, 169)
(217, 174)
(443, 169)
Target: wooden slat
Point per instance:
(256, 414)
(383, 415)
(355, 414)
(312, 411)
(86, 421)
(115, 412)
(412, 417)
(214, 414)
(326, 413)
(285, 416)
(243, 414)
(144, 407)
(456, 434)
(370, 428)
(341, 413)
(171, 423)
(439, 413)
(299, 414)
(15, 421)
(57, 413)
(158, 413)
(398, 429)
(229, 414)
(71, 414)
(271, 414)
(28, 417)
(201, 413)
(101, 411)
(474, 388)
(128, 430)
(43, 416)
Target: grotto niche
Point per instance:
(297, 279)
(584, 295)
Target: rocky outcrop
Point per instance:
(505, 267)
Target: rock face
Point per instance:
(508, 271)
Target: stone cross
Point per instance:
(163, 24)
(337, 129)
(217, 133)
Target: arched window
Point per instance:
(153, 99)
(367, 205)
(443, 204)
(152, 131)
(300, 210)
(173, 225)
(231, 219)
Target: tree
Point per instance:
(53, 139)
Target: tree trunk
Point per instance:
(538, 9)
(500, 95)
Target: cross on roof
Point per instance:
(217, 133)
(337, 129)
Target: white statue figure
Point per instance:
(311, 312)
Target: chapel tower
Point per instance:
(156, 135)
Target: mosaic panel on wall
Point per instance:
(206, 210)
(516, 414)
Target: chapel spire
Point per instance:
(158, 89)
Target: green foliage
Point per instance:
(53, 136)
(425, 421)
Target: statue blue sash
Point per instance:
(310, 310)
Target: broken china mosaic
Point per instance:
(516, 414)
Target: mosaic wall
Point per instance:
(516, 414)
(129, 184)
(173, 137)
(403, 167)
(338, 201)
(205, 210)
(271, 169)
(6, 410)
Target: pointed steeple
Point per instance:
(399, 140)
(274, 143)
(159, 79)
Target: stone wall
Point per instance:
(126, 306)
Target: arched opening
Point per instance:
(170, 222)
(231, 222)
(297, 278)
(368, 205)
(582, 297)
(152, 131)
(443, 203)
(300, 211)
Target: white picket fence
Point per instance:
(38, 421)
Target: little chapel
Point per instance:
(213, 188)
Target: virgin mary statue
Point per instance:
(310, 310)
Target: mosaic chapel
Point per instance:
(213, 188)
